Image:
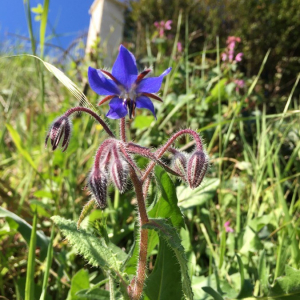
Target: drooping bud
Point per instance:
(196, 168)
(179, 162)
(59, 130)
(98, 185)
(118, 170)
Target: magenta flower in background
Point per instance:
(240, 83)
(227, 227)
(179, 47)
(162, 26)
(239, 56)
(126, 89)
(168, 25)
(229, 52)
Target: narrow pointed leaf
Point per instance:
(26, 229)
(165, 280)
(170, 235)
(29, 287)
(212, 293)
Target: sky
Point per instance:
(68, 19)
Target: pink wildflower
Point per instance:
(227, 227)
(179, 47)
(239, 56)
(168, 25)
(223, 56)
(162, 26)
(240, 83)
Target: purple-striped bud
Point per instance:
(59, 130)
(118, 170)
(196, 168)
(179, 163)
(98, 185)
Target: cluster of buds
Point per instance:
(60, 130)
(191, 167)
(113, 160)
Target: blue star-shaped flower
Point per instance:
(126, 89)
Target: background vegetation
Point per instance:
(252, 132)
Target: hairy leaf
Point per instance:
(170, 235)
(92, 248)
(286, 287)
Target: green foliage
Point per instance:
(93, 249)
(80, 281)
(286, 287)
(20, 225)
(171, 237)
(166, 206)
(164, 281)
(29, 288)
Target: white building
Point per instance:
(107, 22)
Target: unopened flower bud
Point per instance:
(59, 130)
(196, 168)
(179, 163)
(98, 186)
(119, 170)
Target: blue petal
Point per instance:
(117, 109)
(152, 84)
(145, 102)
(124, 68)
(100, 84)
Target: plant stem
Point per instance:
(138, 283)
(93, 114)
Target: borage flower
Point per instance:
(126, 89)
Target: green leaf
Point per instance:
(286, 287)
(142, 122)
(212, 292)
(48, 266)
(79, 282)
(25, 229)
(165, 280)
(218, 88)
(170, 235)
(17, 141)
(167, 204)
(29, 287)
(92, 248)
(263, 272)
(93, 294)
(182, 100)
(189, 198)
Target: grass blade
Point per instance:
(29, 288)
(48, 265)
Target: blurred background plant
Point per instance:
(242, 228)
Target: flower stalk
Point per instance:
(114, 159)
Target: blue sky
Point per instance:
(68, 18)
